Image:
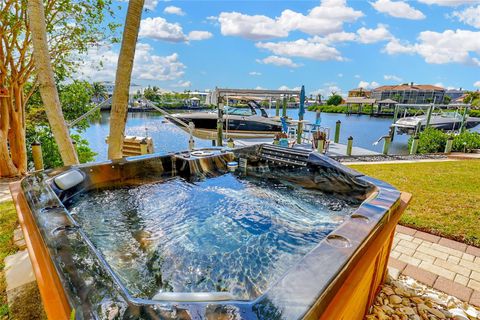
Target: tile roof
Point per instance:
(402, 87)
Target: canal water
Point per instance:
(364, 129)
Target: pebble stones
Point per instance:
(406, 299)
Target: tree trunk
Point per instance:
(46, 80)
(118, 114)
(16, 133)
(7, 168)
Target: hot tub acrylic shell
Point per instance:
(338, 279)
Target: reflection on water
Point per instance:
(231, 234)
(167, 137)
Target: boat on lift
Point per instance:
(250, 122)
(445, 121)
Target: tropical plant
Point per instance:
(473, 97)
(466, 141)
(334, 100)
(118, 114)
(99, 91)
(433, 140)
(73, 27)
(430, 141)
(76, 100)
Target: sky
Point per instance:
(328, 46)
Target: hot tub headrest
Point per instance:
(69, 179)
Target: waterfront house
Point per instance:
(359, 92)
(410, 93)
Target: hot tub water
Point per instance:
(229, 233)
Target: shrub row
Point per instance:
(433, 140)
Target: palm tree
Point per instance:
(118, 114)
(46, 81)
(99, 92)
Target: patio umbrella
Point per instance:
(301, 112)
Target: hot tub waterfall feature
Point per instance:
(178, 236)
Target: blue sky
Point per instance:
(329, 45)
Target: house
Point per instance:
(410, 93)
(359, 92)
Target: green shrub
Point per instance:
(328, 108)
(466, 141)
(434, 140)
(335, 100)
(474, 113)
(430, 141)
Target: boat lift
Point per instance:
(428, 109)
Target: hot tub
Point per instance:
(286, 234)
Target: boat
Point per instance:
(251, 122)
(446, 121)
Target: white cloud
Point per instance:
(391, 77)
(357, 76)
(340, 75)
(259, 88)
(477, 84)
(450, 3)
(279, 61)
(199, 35)
(470, 16)
(373, 35)
(336, 37)
(368, 85)
(149, 66)
(459, 46)
(284, 87)
(160, 29)
(174, 10)
(324, 19)
(302, 48)
(100, 63)
(328, 91)
(182, 84)
(150, 4)
(398, 9)
(255, 73)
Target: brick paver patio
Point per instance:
(446, 265)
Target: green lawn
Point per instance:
(446, 196)
(8, 221)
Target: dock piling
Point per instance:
(429, 116)
(414, 147)
(37, 155)
(277, 108)
(220, 125)
(464, 119)
(448, 146)
(386, 144)
(143, 147)
(349, 145)
(337, 131)
(284, 107)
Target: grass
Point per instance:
(8, 221)
(446, 196)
